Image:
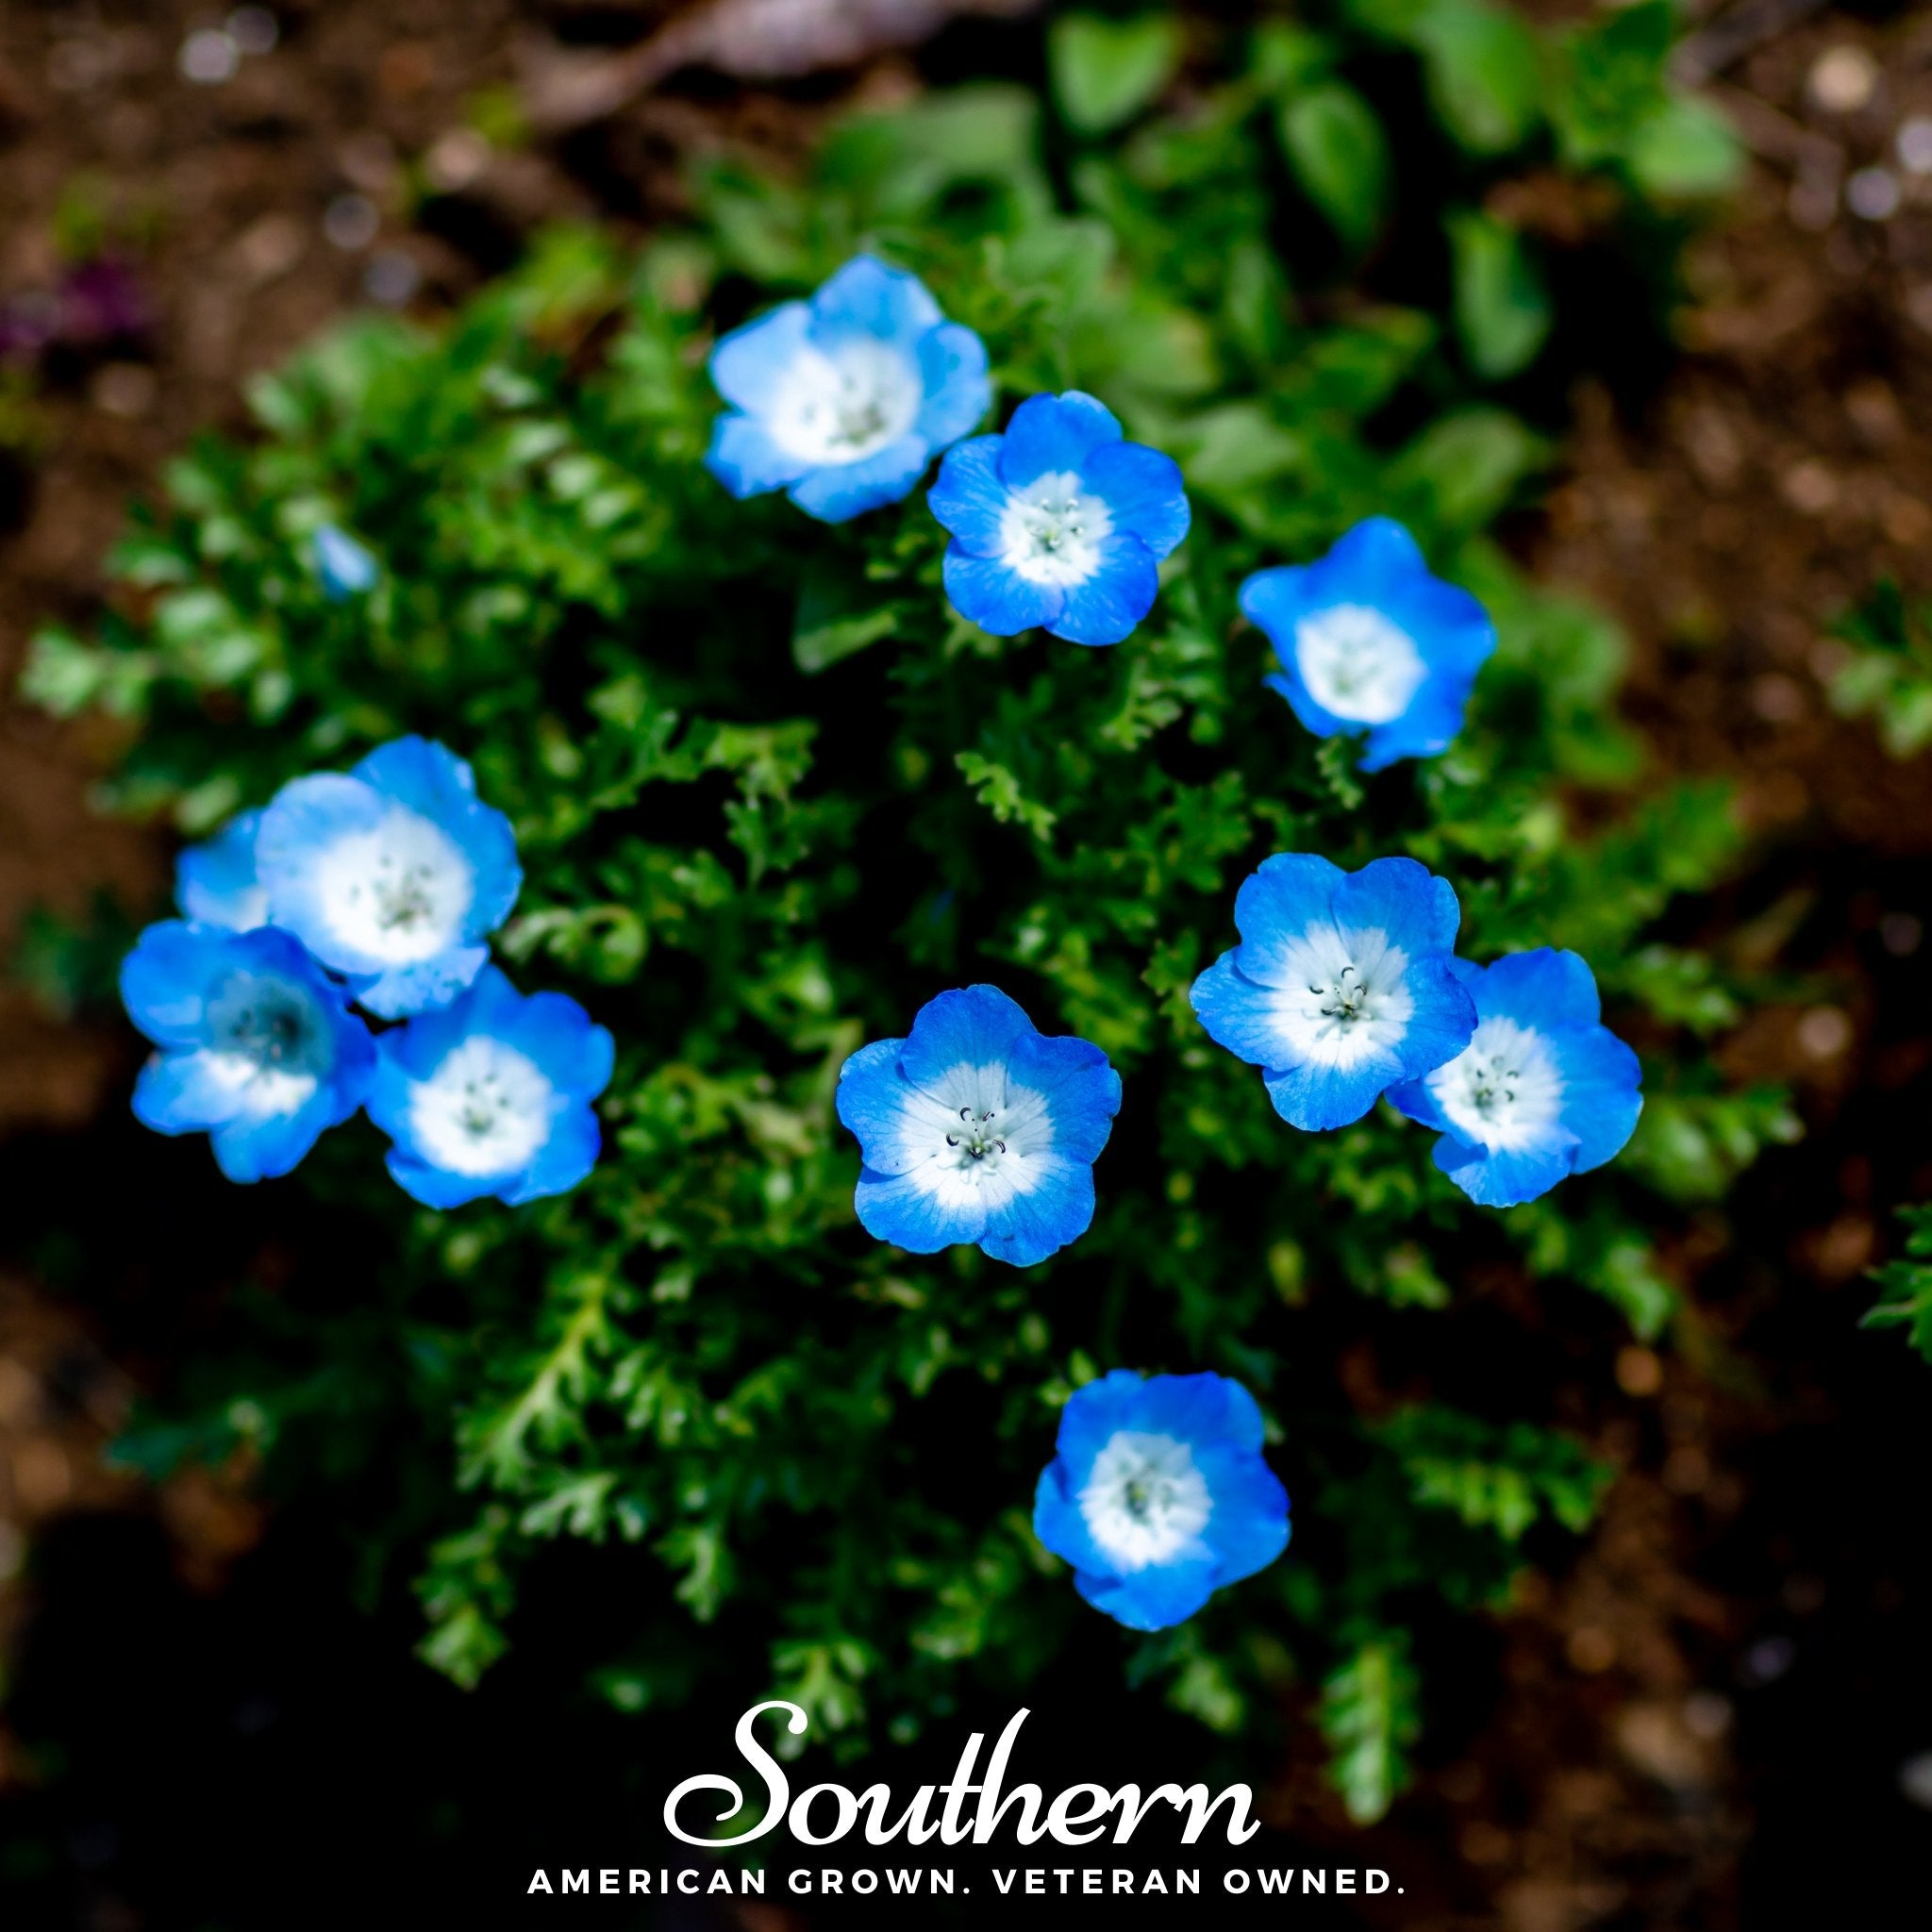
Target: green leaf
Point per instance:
(1465, 466)
(1105, 70)
(1686, 151)
(1485, 74)
(1339, 155)
(1503, 311)
(1369, 1718)
(837, 618)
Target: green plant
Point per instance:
(1887, 674)
(770, 796)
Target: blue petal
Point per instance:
(1414, 1099)
(1319, 1099)
(1049, 434)
(562, 1162)
(872, 1098)
(1114, 599)
(867, 298)
(179, 1093)
(1431, 724)
(1057, 1208)
(421, 986)
(1082, 1090)
(1402, 899)
(1156, 1598)
(974, 1026)
(1601, 1100)
(1322, 723)
(952, 366)
(1442, 1022)
(1142, 490)
(435, 1187)
(1249, 1527)
(1092, 1415)
(1278, 902)
(345, 568)
(1542, 988)
(1238, 1013)
(1200, 1409)
(555, 1032)
(1503, 1181)
(429, 778)
(748, 461)
(895, 1209)
(969, 498)
(839, 492)
(167, 979)
(265, 1147)
(1276, 600)
(985, 592)
(1058, 1522)
(748, 365)
(215, 883)
(1450, 627)
(1376, 552)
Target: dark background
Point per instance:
(211, 1720)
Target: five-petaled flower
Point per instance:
(978, 1129)
(257, 1046)
(1542, 1089)
(215, 882)
(491, 1096)
(1159, 1495)
(391, 875)
(1370, 642)
(1058, 522)
(1342, 986)
(844, 400)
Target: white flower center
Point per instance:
(1343, 996)
(1504, 1090)
(1145, 1502)
(486, 1110)
(972, 1137)
(846, 405)
(1356, 664)
(398, 892)
(1050, 531)
(267, 1043)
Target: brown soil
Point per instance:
(1787, 462)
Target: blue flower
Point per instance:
(1058, 522)
(1370, 642)
(1541, 1090)
(215, 883)
(345, 568)
(392, 875)
(842, 401)
(1342, 985)
(491, 1096)
(977, 1128)
(258, 1048)
(1159, 1495)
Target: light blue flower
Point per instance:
(1370, 642)
(215, 882)
(1342, 985)
(1543, 1088)
(978, 1129)
(1159, 1495)
(491, 1096)
(842, 401)
(345, 568)
(258, 1048)
(391, 875)
(1058, 522)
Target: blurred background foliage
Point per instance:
(772, 795)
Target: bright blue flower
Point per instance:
(215, 883)
(1058, 522)
(491, 1096)
(977, 1128)
(842, 401)
(258, 1048)
(391, 875)
(1543, 1089)
(1370, 642)
(345, 568)
(1342, 985)
(1159, 1495)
